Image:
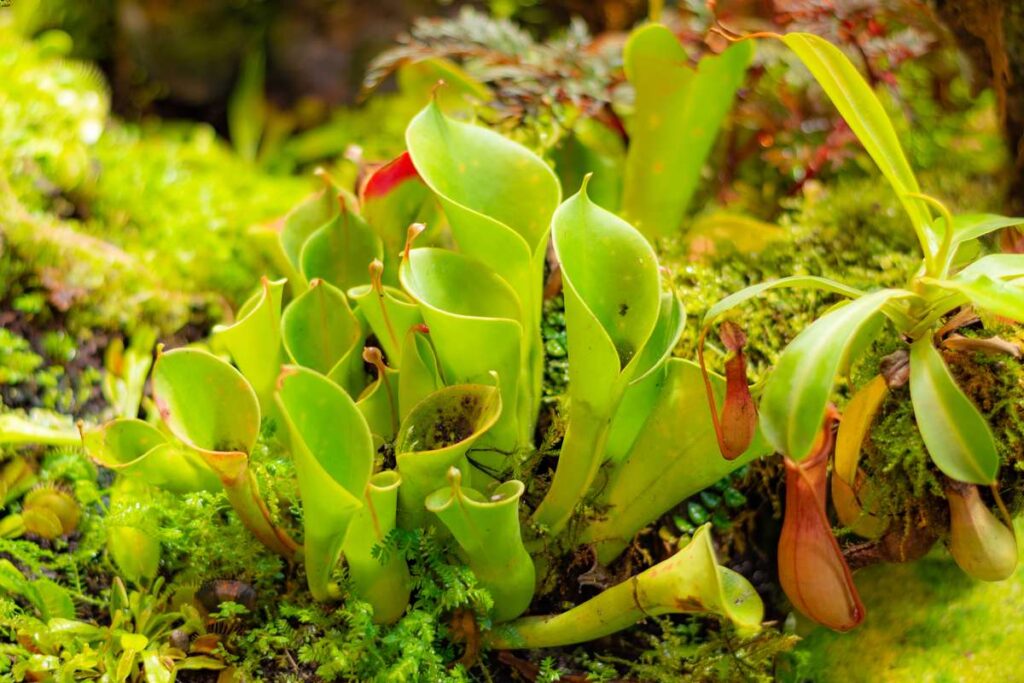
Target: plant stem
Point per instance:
(244, 495)
(578, 462)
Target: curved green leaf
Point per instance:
(791, 282)
(667, 331)
(798, 390)
(420, 375)
(321, 332)
(862, 111)
(475, 322)
(379, 405)
(497, 188)
(995, 266)
(1002, 297)
(498, 197)
(957, 436)
(612, 290)
(639, 398)
(689, 581)
(638, 402)
(435, 436)
(677, 116)
(333, 453)
(341, 251)
(38, 427)
(307, 217)
(971, 226)
(612, 294)
(254, 340)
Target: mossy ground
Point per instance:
(927, 622)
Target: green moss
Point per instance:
(118, 224)
(18, 361)
(51, 111)
(853, 231)
(47, 378)
(687, 651)
(177, 199)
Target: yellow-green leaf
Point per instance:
(857, 418)
(679, 111)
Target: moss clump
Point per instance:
(996, 383)
(853, 231)
(18, 361)
(176, 198)
(910, 490)
(50, 376)
(118, 224)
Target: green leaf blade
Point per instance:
(957, 436)
(1002, 297)
(791, 282)
(319, 329)
(796, 394)
(679, 111)
(863, 112)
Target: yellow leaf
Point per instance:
(857, 418)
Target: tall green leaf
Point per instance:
(322, 333)
(247, 107)
(863, 112)
(475, 322)
(679, 111)
(612, 304)
(957, 436)
(498, 197)
(341, 251)
(333, 454)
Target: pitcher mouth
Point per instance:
(447, 423)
